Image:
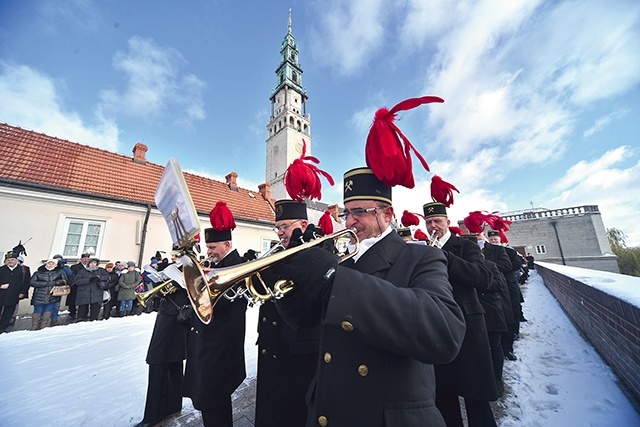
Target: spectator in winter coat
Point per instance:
(90, 281)
(43, 280)
(67, 270)
(128, 282)
(111, 288)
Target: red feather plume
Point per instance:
(503, 237)
(442, 191)
(477, 221)
(302, 179)
(325, 223)
(456, 230)
(420, 235)
(384, 152)
(221, 217)
(409, 218)
(501, 224)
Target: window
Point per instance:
(82, 236)
(541, 249)
(266, 245)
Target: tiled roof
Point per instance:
(30, 157)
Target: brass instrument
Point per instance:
(433, 240)
(164, 288)
(206, 286)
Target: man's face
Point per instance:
(367, 224)
(84, 260)
(437, 226)
(217, 250)
(11, 262)
(174, 258)
(285, 228)
(495, 240)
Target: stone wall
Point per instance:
(611, 324)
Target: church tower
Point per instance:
(289, 122)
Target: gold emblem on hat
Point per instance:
(348, 185)
(431, 210)
(278, 211)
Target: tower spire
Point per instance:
(289, 24)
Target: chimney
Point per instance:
(334, 212)
(232, 178)
(139, 151)
(265, 191)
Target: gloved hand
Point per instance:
(312, 272)
(295, 239)
(60, 282)
(94, 279)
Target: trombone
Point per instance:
(164, 288)
(206, 286)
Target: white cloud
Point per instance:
(349, 34)
(607, 181)
(602, 122)
(32, 100)
(154, 84)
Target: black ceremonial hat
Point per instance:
(290, 209)
(492, 233)
(434, 209)
(362, 184)
(404, 232)
(212, 236)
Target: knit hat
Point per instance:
(131, 263)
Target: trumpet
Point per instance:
(433, 240)
(164, 288)
(206, 286)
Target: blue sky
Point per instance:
(542, 99)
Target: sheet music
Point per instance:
(174, 201)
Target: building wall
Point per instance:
(611, 324)
(582, 238)
(41, 216)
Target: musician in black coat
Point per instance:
(287, 357)
(509, 270)
(386, 315)
(167, 351)
(492, 301)
(215, 364)
(470, 374)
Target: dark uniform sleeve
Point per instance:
(421, 320)
(469, 270)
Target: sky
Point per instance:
(77, 374)
(542, 99)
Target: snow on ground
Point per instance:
(94, 374)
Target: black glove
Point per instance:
(295, 239)
(312, 272)
(94, 279)
(61, 282)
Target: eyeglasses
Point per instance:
(358, 212)
(283, 227)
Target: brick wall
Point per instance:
(611, 325)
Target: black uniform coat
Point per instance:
(287, 361)
(169, 337)
(492, 301)
(391, 315)
(470, 374)
(215, 363)
(18, 280)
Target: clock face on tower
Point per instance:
(299, 148)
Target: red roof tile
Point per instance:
(31, 157)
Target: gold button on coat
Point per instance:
(363, 370)
(322, 420)
(347, 326)
(327, 357)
